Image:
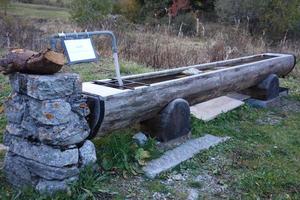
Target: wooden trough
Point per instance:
(143, 96)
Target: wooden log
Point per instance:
(126, 107)
(31, 62)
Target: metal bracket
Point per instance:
(95, 118)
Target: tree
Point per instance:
(90, 11)
(4, 4)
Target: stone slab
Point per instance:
(180, 154)
(211, 109)
(39, 170)
(15, 108)
(46, 87)
(45, 154)
(50, 112)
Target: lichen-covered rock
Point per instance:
(37, 169)
(74, 132)
(51, 112)
(79, 105)
(16, 130)
(17, 173)
(15, 108)
(9, 139)
(30, 125)
(46, 87)
(87, 154)
(46, 128)
(45, 154)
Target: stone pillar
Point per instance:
(46, 131)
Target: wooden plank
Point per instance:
(211, 109)
(100, 90)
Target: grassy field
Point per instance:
(38, 11)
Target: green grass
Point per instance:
(261, 161)
(4, 92)
(105, 69)
(38, 11)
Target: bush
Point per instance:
(86, 12)
(129, 8)
(275, 17)
(188, 23)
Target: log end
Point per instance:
(54, 57)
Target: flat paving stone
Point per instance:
(180, 154)
(211, 109)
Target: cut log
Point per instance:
(31, 62)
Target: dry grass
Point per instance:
(157, 47)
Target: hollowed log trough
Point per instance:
(144, 96)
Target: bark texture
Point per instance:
(31, 62)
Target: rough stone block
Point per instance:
(17, 173)
(17, 130)
(44, 171)
(15, 108)
(87, 154)
(45, 154)
(50, 112)
(79, 105)
(46, 125)
(9, 139)
(46, 87)
(74, 132)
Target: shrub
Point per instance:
(129, 8)
(274, 17)
(187, 22)
(86, 12)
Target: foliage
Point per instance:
(271, 16)
(119, 152)
(86, 12)
(187, 22)
(129, 8)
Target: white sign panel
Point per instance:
(80, 50)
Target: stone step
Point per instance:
(180, 154)
(211, 109)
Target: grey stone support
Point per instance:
(46, 132)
